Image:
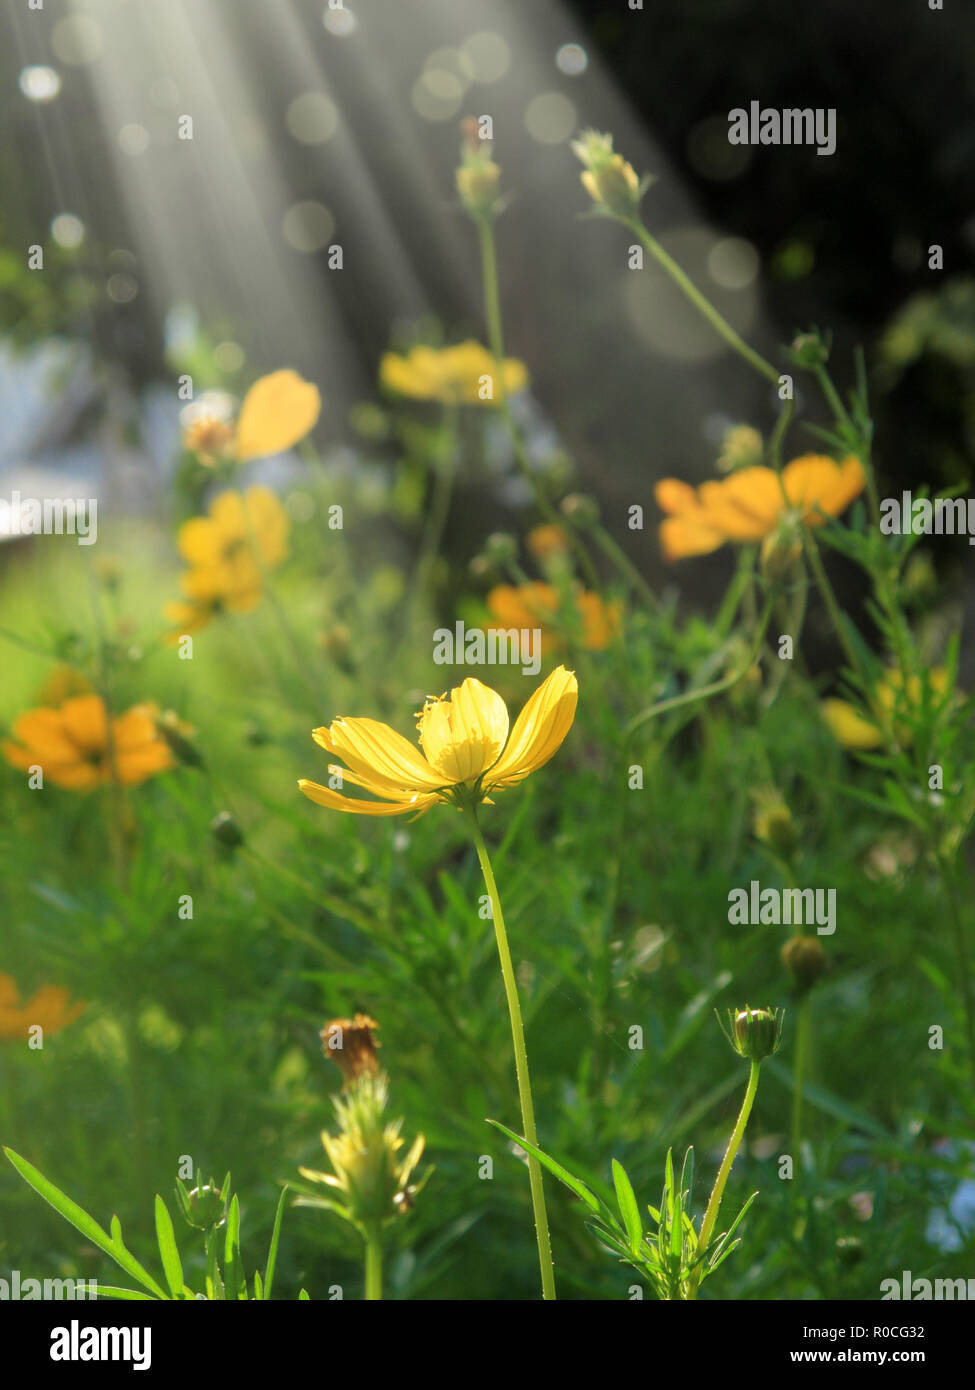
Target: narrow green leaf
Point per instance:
(87, 1225)
(168, 1253)
(258, 1287)
(272, 1254)
(109, 1291)
(231, 1250)
(556, 1169)
(303, 1296)
(629, 1210)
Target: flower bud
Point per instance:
(581, 510)
(205, 1207)
(226, 831)
(608, 179)
(500, 548)
(350, 1043)
(772, 822)
(754, 1033)
(741, 447)
(805, 960)
(809, 350)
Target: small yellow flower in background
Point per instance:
(278, 411)
(71, 744)
(49, 1008)
(741, 447)
(548, 540)
(228, 552)
(465, 374)
(856, 730)
(609, 180)
(467, 751)
(478, 178)
(537, 605)
(751, 504)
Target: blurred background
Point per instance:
(316, 127)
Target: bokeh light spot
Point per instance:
(340, 22)
(488, 55)
(572, 59)
(312, 118)
(733, 263)
(550, 118)
(67, 230)
(39, 83)
(308, 226)
(133, 139)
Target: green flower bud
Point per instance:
(754, 1033)
(805, 960)
(501, 548)
(226, 831)
(808, 350)
(581, 510)
(204, 1207)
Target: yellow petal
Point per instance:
(849, 726)
(538, 731)
(324, 796)
(463, 736)
(376, 751)
(278, 410)
(817, 484)
(746, 505)
(682, 536)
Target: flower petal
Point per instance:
(374, 750)
(816, 483)
(324, 796)
(849, 726)
(464, 735)
(538, 731)
(278, 411)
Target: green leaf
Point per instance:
(629, 1210)
(109, 1291)
(168, 1253)
(556, 1169)
(272, 1254)
(303, 1296)
(113, 1245)
(832, 1104)
(231, 1252)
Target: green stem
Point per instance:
(704, 692)
(374, 1267)
(829, 598)
(731, 1153)
(946, 873)
(521, 1060)
(798, 1077)
(720, 324)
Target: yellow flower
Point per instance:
(277, 412)
(467, 751)
(465, 374)
(751, 504)
(71, 744)
(228, 551)
(537, 605)
(855, 730)
(48, 1007)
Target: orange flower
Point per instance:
(547, 541)
(751, 504)
(71, 744)
(537, 605)
(48, 1007)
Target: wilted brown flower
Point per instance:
(350, 1043)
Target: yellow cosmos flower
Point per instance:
(466, 374)
(467, 750)
(277, 412)
(228, 552)
(49, 1007)
(71, 744)
(537, 605)
(548, 540)
(856, 730)
(751, 504)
